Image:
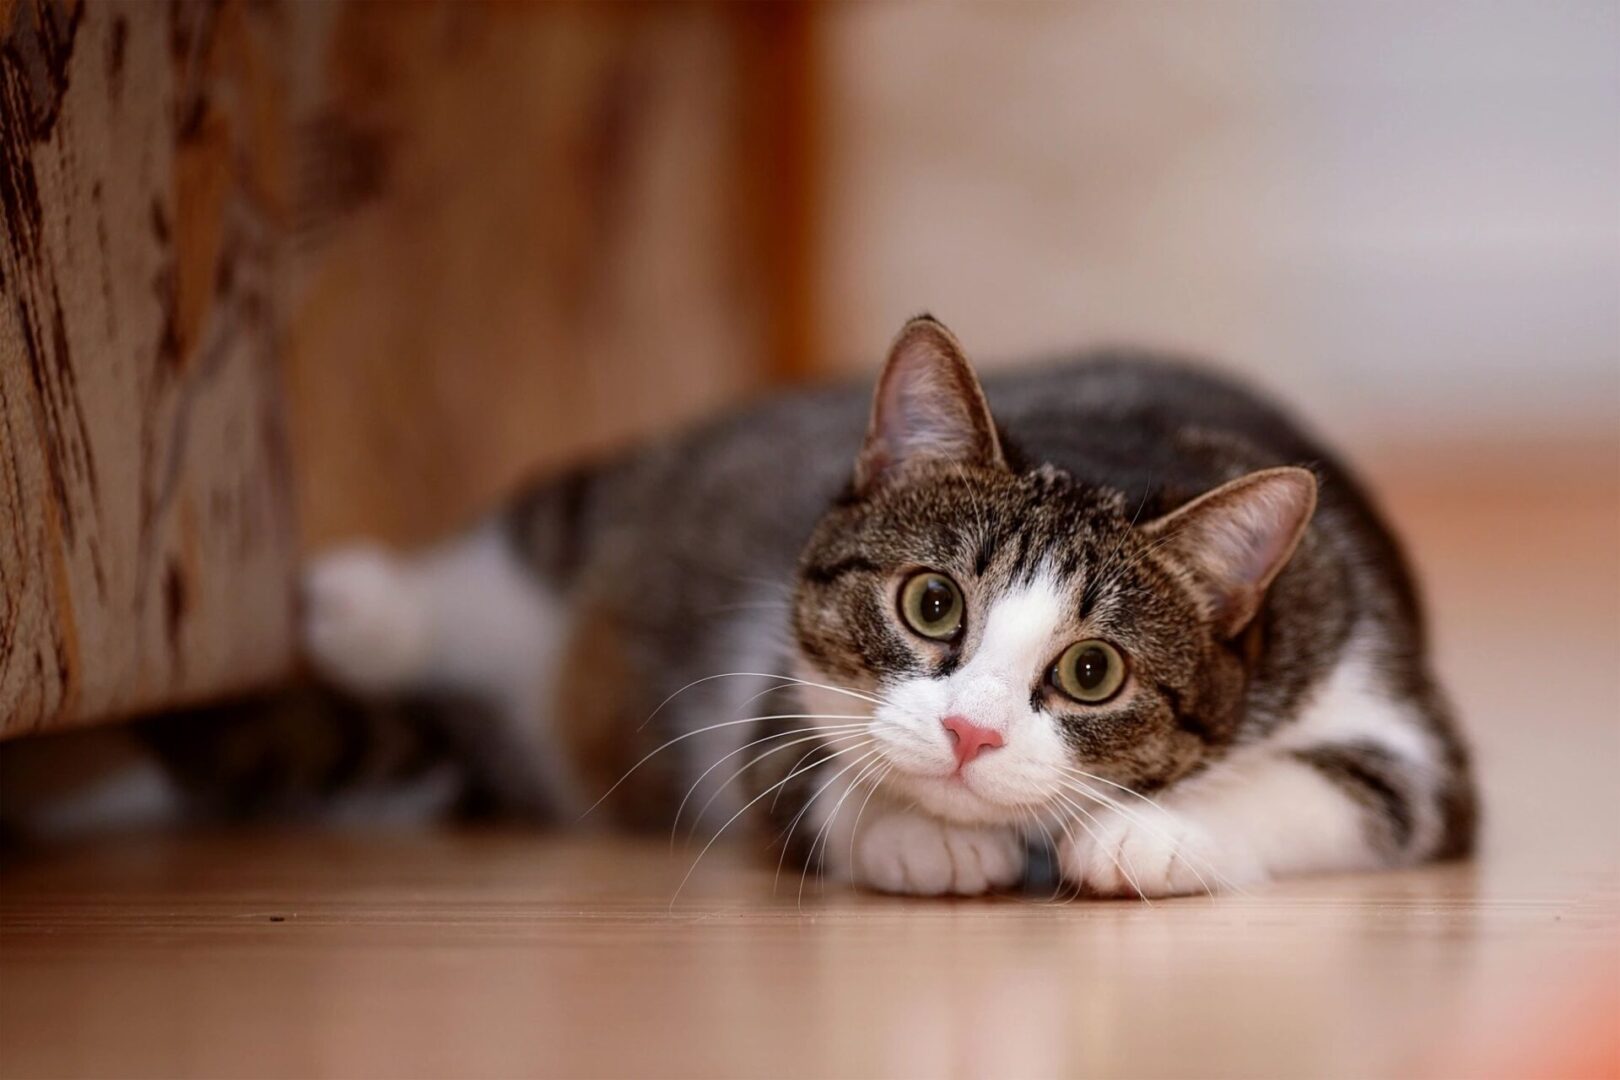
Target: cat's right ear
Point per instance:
(929, 406)
(1237, 538)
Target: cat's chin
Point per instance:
(954, 798)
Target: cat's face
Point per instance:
(1017, 631)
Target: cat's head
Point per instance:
(1011, 625)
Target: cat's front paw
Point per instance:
(1152, 853)
(910, 853)
(364, 625)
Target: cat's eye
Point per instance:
(1089, 671)
(932, 605)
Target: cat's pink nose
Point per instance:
(969, 738)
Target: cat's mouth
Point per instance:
(956, 796)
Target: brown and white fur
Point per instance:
(710, 629)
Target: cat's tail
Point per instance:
(302, 755)
(434, 669)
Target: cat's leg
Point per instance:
(904, 851)
(368, 620)
(1370, 795)
(1242, 824)
(467, 618)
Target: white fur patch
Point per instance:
(1262, 813)
(753, 645)
(907, 852)
(1353, 705)
(465, 617)
(1241, 823)
(1018, 639)
(365, 622)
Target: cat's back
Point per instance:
(1158, 428)
(1148, 424)
(1163, 430)
(1124, 401)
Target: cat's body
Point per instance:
(691, 627)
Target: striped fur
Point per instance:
(708, 628)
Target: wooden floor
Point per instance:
(505, 954)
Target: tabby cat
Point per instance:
(1143, 621)
(1143, 625)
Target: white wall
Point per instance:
(1405, 216)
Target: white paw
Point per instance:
(365, 623)
(1152, 853)
(909, 853)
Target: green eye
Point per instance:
(932, 605)
(1090, 671)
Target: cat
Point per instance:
(1118, 608)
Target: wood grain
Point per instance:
(144, 479)
(497, 955)
(530, 232)
(464, 241)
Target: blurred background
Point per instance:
(1401, 217)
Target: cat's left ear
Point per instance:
(929, 406)
(1237, 538)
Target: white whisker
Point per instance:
(786, 834)
(749, 805)
(1082, 776)
(754, 675)
(788, 686)
(1114, 856)
(1082, 788)
(855, 828)
(699, 731)
(1099, 577)
(1088, 792)
(826, 826)
(1028, 822)
(1142, 556)
(1068, 835)
(835, 733)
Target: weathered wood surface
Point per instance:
(468, 240)
(528, 232)
(148, 542)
